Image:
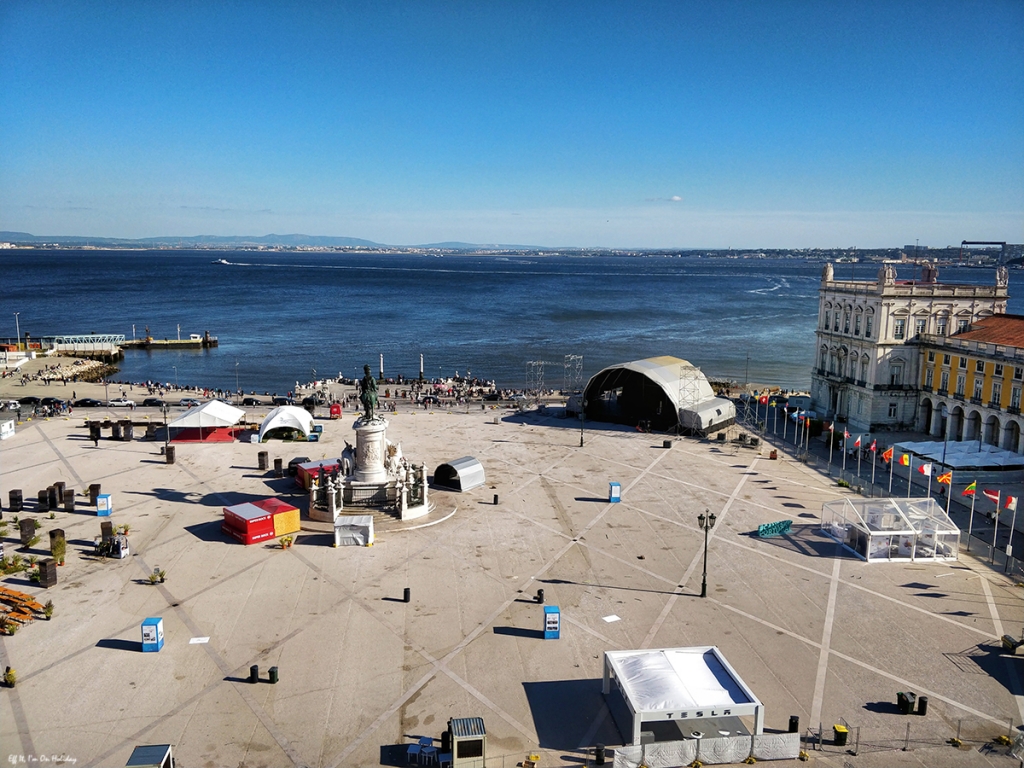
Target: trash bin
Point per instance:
(278, 467)
(794, 724)
(262, 458)
(901, 702)
(922, 705)
(273, 675)
(169, 454)
(666, 443)
(94, 491)
(911, 702)
(254, 673)
(840, 734)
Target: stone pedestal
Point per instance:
(371, 448)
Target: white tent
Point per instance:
(353, 531)
(693, 687)
(894, 529)
(964, 454)
(287, 417)
(209, 416)
(462, 474)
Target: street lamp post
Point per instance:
(706, 522)
(175, 376)
(238, 392)
(166, 436)
(17, 328)
(583, 416)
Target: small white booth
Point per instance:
(670, 694)
(353, 531)
(903, 530)
(463, 474)
(286, 421)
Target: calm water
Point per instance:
(281, 316)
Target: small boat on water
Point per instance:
(220, 261)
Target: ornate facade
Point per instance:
(868, 370)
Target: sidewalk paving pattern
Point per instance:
(814, 631)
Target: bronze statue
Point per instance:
(368, 393)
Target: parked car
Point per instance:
(282, 401)
(121, 402)
(189, 402)
(251, 401)
(88, 402)
(492, 396)
(153, 402)
(52, 401)
(29, 400)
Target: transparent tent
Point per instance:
(892, 529)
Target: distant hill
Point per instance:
(227, 241)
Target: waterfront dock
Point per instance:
(194, 341)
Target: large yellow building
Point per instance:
(971, 382)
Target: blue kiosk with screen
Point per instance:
(552, 622)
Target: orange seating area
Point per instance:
(18, 606)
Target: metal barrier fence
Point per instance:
(911, 732)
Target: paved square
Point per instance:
(811, 629)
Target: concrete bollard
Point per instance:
(254, 673)
(495, 499)
(169, 454)
(407, 595)
(94, 491)
(17, 501)
(278, 467)
(261, 457)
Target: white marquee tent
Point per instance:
(963, 454)
(209, 415)
(892, 529)
(695, 688)
(287, 417)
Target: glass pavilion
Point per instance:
(892, 529)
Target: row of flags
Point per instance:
(946, 478)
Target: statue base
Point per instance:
(371, 449)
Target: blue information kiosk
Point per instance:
(152, 634)
(552, 622)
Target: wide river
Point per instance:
(281, 316)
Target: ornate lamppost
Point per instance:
(706, 521)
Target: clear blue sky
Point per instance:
(627, 124)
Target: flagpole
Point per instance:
(929, 481)
(995, 524)
(892, 466)
(844, 457)
(873, 471)
(949, 493)
(1013, 523)
(859, 449)
(970, 520)
(910, 473)
(831, 441)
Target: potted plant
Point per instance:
(162, 575)
(58, 550)
(154, 577)
(10, 677)
(286, 541)
(125, 528)
(48, 610)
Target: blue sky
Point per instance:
(639, 124)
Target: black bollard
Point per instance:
(278, 467)
(599, 754)
(495, 499)
(273, 675)
(922, 705)
(540, 596)
(407, 595)
(254, 673)
(261, 457)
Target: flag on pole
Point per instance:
(772, 403)
(1011, 503)
(970, 489)
(991, 495)
(925, 469)
(856, 443)
(874, 446)
(831, 426)
(846, 435)
(887, 454)
(763, 400)
(905, 459)
(945, 479)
